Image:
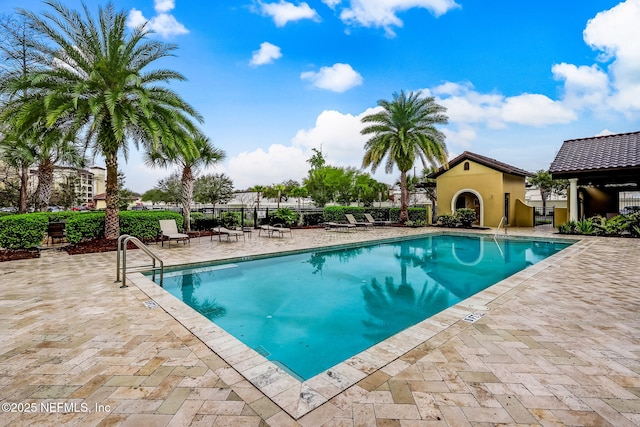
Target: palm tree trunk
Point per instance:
(404, 198)
(111, 221)
(187, 193)
(45, 182)
(24, 181)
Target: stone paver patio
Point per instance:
(560, 345)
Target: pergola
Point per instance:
(598, 169)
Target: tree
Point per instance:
(258, 189)
(171, 187)
(97, 85)
(154, 196)
(401, 132)
(17, 59)
(214, 188)
(547, 185)
(198, 152)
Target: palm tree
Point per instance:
(96, 83)
(198, 152)
(402, 131)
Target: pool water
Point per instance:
(310, 311)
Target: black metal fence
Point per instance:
(543, 216)
(253, 216)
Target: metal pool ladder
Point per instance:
(122, 249)
(503, 223)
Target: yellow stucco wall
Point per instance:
(488, 184)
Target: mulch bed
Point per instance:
(13, 255)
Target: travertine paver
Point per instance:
(559, 346)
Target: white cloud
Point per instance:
(383, 13)
(284, 12)
(332, 3)
(164, 24)
(162, 6)
(338, 78)
(583, 86)
(266, 54)
(616, 32)
(535, 110)
(273, 166)
(335, 133)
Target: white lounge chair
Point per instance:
(273, 229)
(169, 231)
(352, 220)
(376, 221)
(222, 231)
(339, 226)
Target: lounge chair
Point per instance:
(169, 231)
(352, 220)
(339, 226)
(273, 229)
(376, 221)
(222, 231)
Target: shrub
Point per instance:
(85, 227)
(230, 219)
(466, 216)
(380, 214)
(283, 216)
(337, 213)
(584, 227)
(23, 231)
(415, 214)
(146, 225)
(204, 223)
(311, 218)
(447, 220)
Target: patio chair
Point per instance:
(376, 221)
(274, 229)
(339, 226)
(352, 220)
(169, 231)
(55, 230)
(222, 231)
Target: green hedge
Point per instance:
(145, 225)
(415, 214)
(337, 213)
(85, 227)
(23, 231)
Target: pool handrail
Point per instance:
(123, 241)
(503, 223)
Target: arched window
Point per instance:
(466, 166)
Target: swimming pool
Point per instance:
(308, 311)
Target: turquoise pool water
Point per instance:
(312, 310)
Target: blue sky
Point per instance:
(274, 79)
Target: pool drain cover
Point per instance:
(151, 304)
(473, 317)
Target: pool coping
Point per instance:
(299, 398)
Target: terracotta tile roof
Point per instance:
(483, 160)
(608, 152)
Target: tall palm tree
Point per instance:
(196, 153)
(402, 131)
(96, 83)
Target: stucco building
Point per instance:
(493, 189)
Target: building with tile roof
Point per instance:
(492, 188)
(599, 169)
